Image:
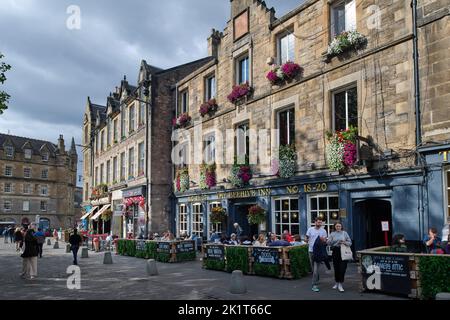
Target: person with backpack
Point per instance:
(75, 243)
(40, 236)
(316, 237)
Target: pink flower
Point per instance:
(239, 92)
(290, 69)
(349, 154)
(272, 76)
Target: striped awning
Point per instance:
(89, 213)
(103, 209)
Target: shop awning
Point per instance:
(103, 209)
(89, 213)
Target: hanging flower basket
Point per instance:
(346, 41)
(240, 175)
(286, 164)
(106, 216)
(128, 202)
(341, 151)
(218, 215)
(99, 191)
(256, 215)
(182, 180)
(182, 121)
(207, 176)
(286, 72)
(239, 92)
(208, 108)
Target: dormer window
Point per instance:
(9, 151)
(28, 154)
(45, 156)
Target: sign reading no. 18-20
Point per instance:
(316, 187)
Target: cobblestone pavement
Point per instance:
(126, 279)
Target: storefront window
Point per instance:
(182, 219)
(286, 216)
(326, 207)
(217, 227)
(197, 219)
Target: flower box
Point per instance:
(240, 175)
(182, 180)
(208, 108)
(341, 150)
(344, 42)
(182, 121)
(284, 73)
(239, 92)
(207, 176)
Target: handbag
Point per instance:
(346, 252)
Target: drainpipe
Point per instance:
(173, 205)
(416, 74)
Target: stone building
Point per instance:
(381, 169)
(124, 171)
(37, 181)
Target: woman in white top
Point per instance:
(261, 241)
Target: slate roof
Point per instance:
(19, 142)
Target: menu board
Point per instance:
(140, 245)
(215, 252)
(185, 246)
(388, 273)
(265, 255)
(163, 247)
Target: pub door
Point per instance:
(241, 218)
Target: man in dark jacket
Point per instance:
(40, 241)
(11, 234)
(75, 243)
(29, 255)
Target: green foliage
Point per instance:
(215, 264)
(186, 256)
(237, 259)
(121, 247)
(162, 257)
(4, 97)
(268, 270)
(300, 265)
(130, 248)
(434, 273)
(150, 248)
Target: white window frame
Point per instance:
(45, 156)
(27, 188)
(141, 155)
(28, 154)
(327, 225)
(246, 133)
(25, 169)
(9, 152)
(197, 226)
(238, 68)
(132, 119)
(210, 95)
(9, 188)
(8, 169)
(290, 212)
(26, 205)
(333, 94)
(182, 222)
(43, 206)
(215, 226)
(7, 205)
(209, 152)
(289, 35)
(349, 16)
(131, 163)
(288, 120)
(184, 102)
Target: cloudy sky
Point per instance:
(54, 68)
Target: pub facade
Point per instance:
(292, 119)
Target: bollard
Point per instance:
(49, 243)
(237, 283)
(68, 248)
(6, 239)
(84, 253)
(107, 258)
(151, 267)
(443, 296)
(56, 245)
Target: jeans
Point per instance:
(315, 268)
(340, 266)
(40, 245)
(74, 250)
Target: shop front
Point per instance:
(133, 209)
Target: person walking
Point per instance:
(315, 234)
(29, 255)
(75, 243)
(11, 233)
(18, 239)
(336, 239)
(40, 236)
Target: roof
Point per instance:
(19, 142)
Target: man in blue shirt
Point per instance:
(433, 242)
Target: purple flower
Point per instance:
(272, 76)
(290, 69)
(349, 154)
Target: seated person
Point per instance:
(280, 243)
(215, 237)
(233, 240)
(245, 241)
(433, 242)
(261, 241)
(272, 237)
(447, 247)
(297, 241)
(399, 243)
(223, 239)
(289, 237)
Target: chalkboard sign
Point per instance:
(140, 245)
(265, 255)
(185, 246)
(387, 273)
(215, 252)
(163, 247)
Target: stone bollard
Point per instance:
(237, 283)
(443, 296)
(68, 248)
(151, 267)
(107, 258)
(84, 253)
(49, 243)
(56, 245)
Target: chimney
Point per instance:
(213, 43)
(61, 146)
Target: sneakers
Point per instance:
(340, 288)
(335, 286)
(315, 289)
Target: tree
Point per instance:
(4, 97)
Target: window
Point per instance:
(44, 190)
(286, 48)
(131, 163)
(286, 126)
(114, 169)
(183, 105)
(9, 151)
(108, 134)
(44, 174)
(115, 131)
(26, 206)
(108, 172)
(183, 156)
(96, 144)
(141, 113)
(27, 188)
(242, 143)
(197, 219)
(210, 88)
(209, 150)
(102, 140)
(122, 124)
(182, 219)
(28, 154)
(141, 165)
(102, 170)
(343, 17)
(27, 172)
(345, 106)
(286, 216)
(45, 156)
(132, 117)
(8, 187)
(243, 71)
(96, 176)
(7, 205)
(8, 171)
(326, 207)
(122, 166)
(43, 206)
(217, 227)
